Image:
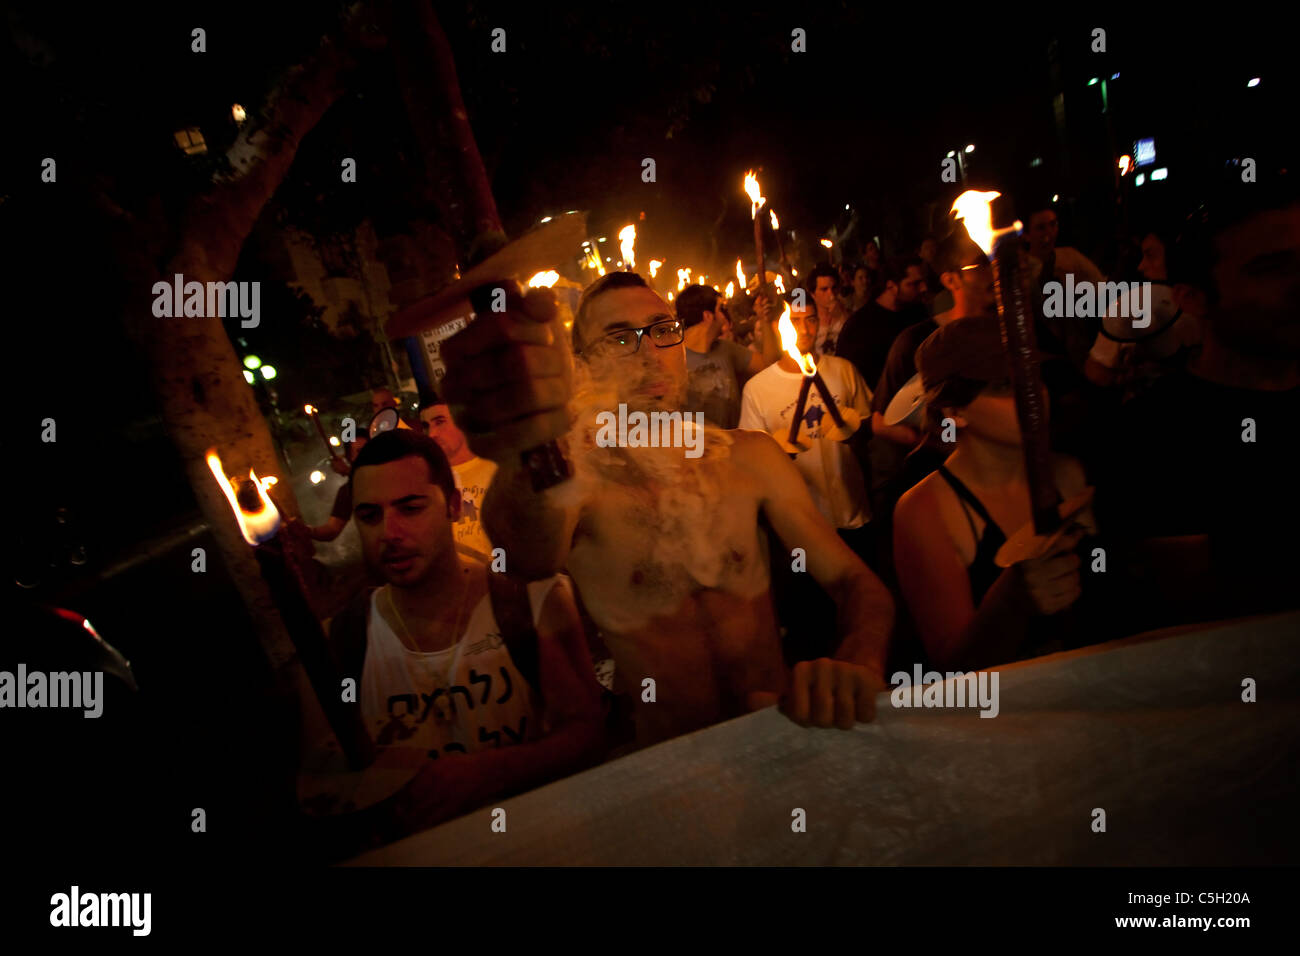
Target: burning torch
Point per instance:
(846, 422)
(627, 247)
(975, 209)
(314, 414)
(756, 201)
(259, 522)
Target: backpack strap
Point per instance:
(347, 636)
(514, 615)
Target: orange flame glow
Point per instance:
(594, 261)
(827, 243)
(740, 275)
(975, 208)
(683, 278)
(655, 265)
(775, 224)
(627, 245)
(255, 526)
(756, 198)
(731, 289)
(790, 342)
(544, 280)
(780, 284)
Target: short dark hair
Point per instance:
(611, 280)
(822, 270)
(694, 301)
(402, 443)
(956, 250)
(1191, 257)
(896, 267)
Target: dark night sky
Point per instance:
(585, 92)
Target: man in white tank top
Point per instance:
(457, 721)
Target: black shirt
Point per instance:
(868, 335)
(900, 363)
(1183, 464)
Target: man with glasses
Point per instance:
(717, 369)
(666, 551)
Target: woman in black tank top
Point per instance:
(983, 571)
(1005, 614)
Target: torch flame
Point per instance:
(756, 198)
(775, 224)
(780, 285)
(544, 280)
(975, 208)
(255, 526)
(655, 265)
(740, 274)
(309, 409)
(594, 261)
(790, 342)
(731, 289)
(683, 278)
(627, 245)
(827, 243)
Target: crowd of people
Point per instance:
(798, 563)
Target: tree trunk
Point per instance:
(426, 73)
(197, 376)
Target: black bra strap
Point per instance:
(968, 498)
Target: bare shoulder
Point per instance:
(922, 500)
(757, 455)
(757, 451)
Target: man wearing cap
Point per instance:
(966, 273)
(969, 613)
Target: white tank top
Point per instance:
(465, 698)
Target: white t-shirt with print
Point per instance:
(829, 468)
(473, 479)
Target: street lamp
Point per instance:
(960, 156)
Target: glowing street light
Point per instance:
(252, 361)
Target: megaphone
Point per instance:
(385, 420)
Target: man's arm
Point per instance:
(535, 528)
(824, 692)
(508, 383)
(898, 434)
(328, 531)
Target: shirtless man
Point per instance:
(666, 551)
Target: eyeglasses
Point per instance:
(664, 333)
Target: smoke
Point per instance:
(668, 513)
